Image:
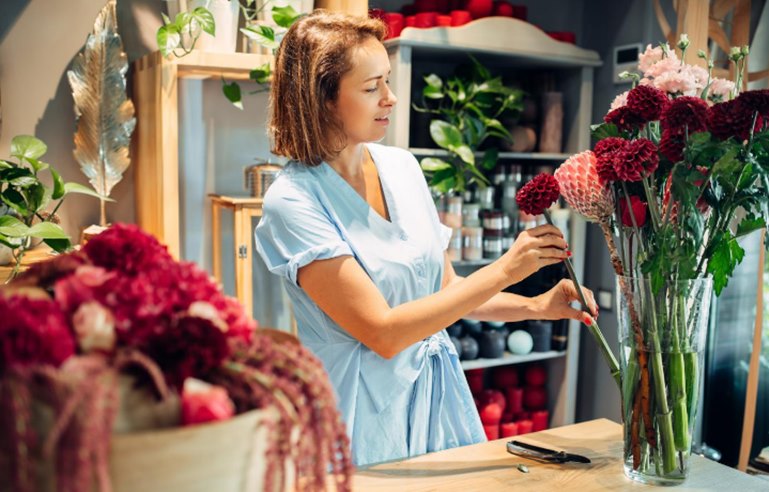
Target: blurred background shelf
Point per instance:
(509, 359)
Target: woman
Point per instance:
(352, 229)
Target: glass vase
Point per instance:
(662, 332)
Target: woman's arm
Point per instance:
(506, 306)
(342, 289)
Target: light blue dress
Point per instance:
(418, 401)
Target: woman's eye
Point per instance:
(373, 89)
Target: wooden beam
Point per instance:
(693, 20)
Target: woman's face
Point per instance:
(365, 100)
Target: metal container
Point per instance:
(259, 177)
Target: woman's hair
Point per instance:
(311, 60)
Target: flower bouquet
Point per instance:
(119, 337)
(679, 173)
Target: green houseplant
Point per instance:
(27, 200)
(467, 107)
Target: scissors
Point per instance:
(537, 453)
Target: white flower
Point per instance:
(619, 101)
(94, 327)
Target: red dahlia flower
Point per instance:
(606, 152)
(732, 119)
(757, 101)
(636, 160)
(647, 102)
(538, 194)
(685, 114)
(624, 118)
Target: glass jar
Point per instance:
(470, 215)
(492, 244)
(472, 243)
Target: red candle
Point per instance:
(425, 19)
(492, 431)
(444, 20)
(460, 17)
(509, 429)
(515, 399)
(410, 19)
(395, 23)
(524, 426)
(539, 420)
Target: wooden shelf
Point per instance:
(528, 156)
(504, 36)
(509, 359)
(156, 150)
(39, 253)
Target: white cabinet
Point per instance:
(512, 48)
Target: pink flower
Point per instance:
(94, 327)
(203, 402)
(582, 189)
(649, 57)
(677, 83)
(668, 64)
(639, 208)
(619, 101)
(720, 90)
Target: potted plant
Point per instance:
(27, 200)
(467, 107)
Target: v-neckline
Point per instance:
(347, 188)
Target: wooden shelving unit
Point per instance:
(156, 145)
(509, 46)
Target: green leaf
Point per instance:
(168, 39)
(36, 197)
(23, 181)
(47, 230)
(13, 227)
(38, 165)
(59, 245)
(166, 20)
(232, 93)
(433, 164)
(748, 225)
(6, 164)
(727, 254)
(490, 158)
(284, 16)
(604, 130)
(264, 35)
(261, 74)
(12, 243)
(434, 81)
(83, 190)
(58, 185)
(27, 147)
(465, 153)
(15, 200)
(206, 20)
(432, 92)
(445, 134)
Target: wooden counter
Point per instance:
(488, 467)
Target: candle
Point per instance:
(492, 431)
(524, 426)
(509, 429)
(539, 420)
(515, 399)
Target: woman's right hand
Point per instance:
(533, 249)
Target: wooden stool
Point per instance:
(243, 210)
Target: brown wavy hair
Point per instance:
(310, 62)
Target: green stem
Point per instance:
(654, 213)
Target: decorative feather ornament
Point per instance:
(105, 115)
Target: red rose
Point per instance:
(637, 160)
(756, 101)
(128, 249)
(538, 194)
(33, 331)
(639, 208)
(624, 118)
(685, 114)
(647, 102)
(732, 119)
(606, 152)
(672, 146)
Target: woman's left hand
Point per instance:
(555, 303)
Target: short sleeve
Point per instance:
(443, 231)
(295, 231)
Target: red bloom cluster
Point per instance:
(538, 194)
(33, 331)
(733, 119)
(672, 146)
(756, 101)
(685, 114)
(127, 249)
(647, 102)
(624, 118)
(626, 160)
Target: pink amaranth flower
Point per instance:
(582, 189)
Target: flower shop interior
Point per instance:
(130, 112)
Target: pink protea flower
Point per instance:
(581, 188)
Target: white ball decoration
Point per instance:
(520, 342)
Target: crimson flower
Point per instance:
(128, 249)
(647, 102)
(538, 194)
(756, 101)
(33, 331)
(732, 119)
(606, 152)
(685, 114)
(639, 208)
(624, 118)
(672, 146)
(636, 160)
